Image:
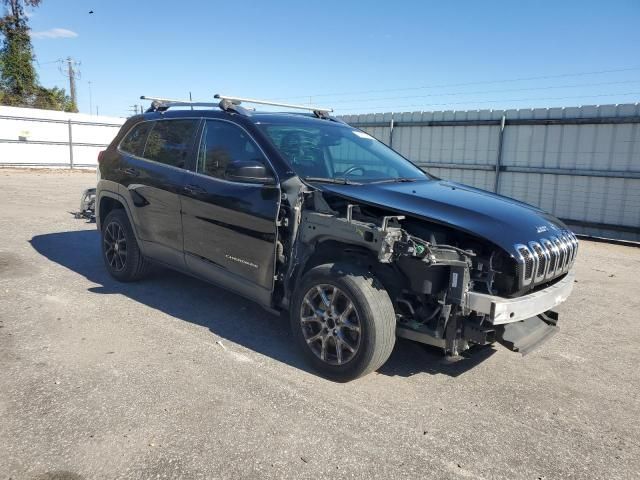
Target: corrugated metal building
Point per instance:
(582, 163)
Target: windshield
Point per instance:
(339, 153)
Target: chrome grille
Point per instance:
(554, 256)
(563, 257)
(574, 243)
(546, 259)
(527, 261)
(541, 257)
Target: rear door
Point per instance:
(229, 227)
(152, 180)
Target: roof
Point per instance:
(254, 117)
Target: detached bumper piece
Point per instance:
(87, 205)
(501, 310)
(527, 335)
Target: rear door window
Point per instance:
(170, 142)
(134, 142)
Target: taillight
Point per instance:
(101, 155)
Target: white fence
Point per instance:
(582, 164)
(30, 137)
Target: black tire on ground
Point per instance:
(125, 262)
(371, 329)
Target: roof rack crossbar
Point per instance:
(227, 103)
(239, 100)
(161, 99)
(158, 103)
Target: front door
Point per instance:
(229, 226)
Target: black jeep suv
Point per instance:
(305, 214)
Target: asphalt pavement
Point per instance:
(174, 378)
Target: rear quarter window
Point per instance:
(135, 140)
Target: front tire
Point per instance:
(120, 251)
(343, 320)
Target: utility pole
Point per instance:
(72, 81)
(73, 74)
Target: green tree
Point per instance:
(19, 85)
(53, 99)
(18, 80)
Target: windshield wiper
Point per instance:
(340, 181)
(396, 180)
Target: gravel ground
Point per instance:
(174, 378)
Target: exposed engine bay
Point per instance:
(444, 282)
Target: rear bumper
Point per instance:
(508, 310)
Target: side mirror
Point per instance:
(249, 171)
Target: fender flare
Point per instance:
(122, 200)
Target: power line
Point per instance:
(470, 102)
(49, 62)
(625, 82)
(466, 84)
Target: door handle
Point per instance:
(130, 171)
(193, 189)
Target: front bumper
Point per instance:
(508, 310)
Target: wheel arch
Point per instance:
(334, 251)
(108, 201)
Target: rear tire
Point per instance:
(120, 251)
(343, 320)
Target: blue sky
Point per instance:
(357, 56)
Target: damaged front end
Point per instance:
(450, 289)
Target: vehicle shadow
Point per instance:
(225, 314)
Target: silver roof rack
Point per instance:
(239, 100)
(227, 103)
(159, 103)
